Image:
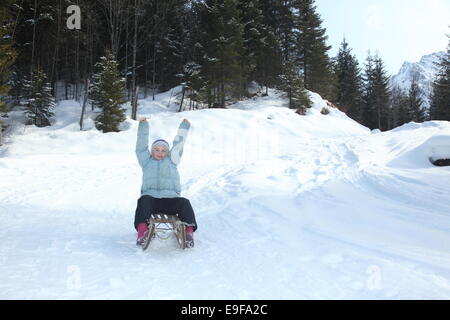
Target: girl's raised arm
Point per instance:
(178, 143)
(142, 152)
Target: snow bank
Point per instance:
(419, 145)
(438, 147)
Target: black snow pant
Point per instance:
(148, 205)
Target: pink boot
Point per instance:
(142, 233)
(189, 237)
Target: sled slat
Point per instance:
(161, 223)
(163, 218)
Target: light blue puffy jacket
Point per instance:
(160, 178)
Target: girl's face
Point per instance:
(159, 152)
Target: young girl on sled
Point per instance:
(161, 189)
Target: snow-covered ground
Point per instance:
(288, 207)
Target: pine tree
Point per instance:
(399, 107)
(312, 49)
(259, 41)
(7, 53)
(292, 84)
(407, 107)
(272, 54)
(223, 47)
(171, 44)
(440, 97)
(415, 102)
(39, 99)
(284, 22)
(368, 111)
(376, 109)
(107, 92)
(348, 83)
(193, 85)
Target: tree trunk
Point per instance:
(77, 67)
(1, 132)
(146, 73)
(126, 57)
(133, 86)
(222, 95)
(54, 73)
(114, 13)
(134, 103)
(182, 99)
(154, 71)
(83, 108)
(379, 117)
(66, 76)
(34, 38)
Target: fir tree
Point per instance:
(312, 49)
(171, 45)
(376, 109)
(193, 85)
(39, 99)
(292, 84)
(348, 97)
(368, 111)
(107, 92)
(415, 102)
(272, 62)
(440, 97)
(284, 22)
(7, 53)
(259, 42)
(407, 107)
(223, 47)
(399, 107)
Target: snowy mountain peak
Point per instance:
(424, 71)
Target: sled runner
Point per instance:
(162, 225)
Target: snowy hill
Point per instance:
(288, 207)
(425, 72)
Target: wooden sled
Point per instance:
(162, 225)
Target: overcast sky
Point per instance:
(399, 30)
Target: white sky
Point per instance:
(399, 30)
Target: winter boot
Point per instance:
(142, 233)
(189, 237)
